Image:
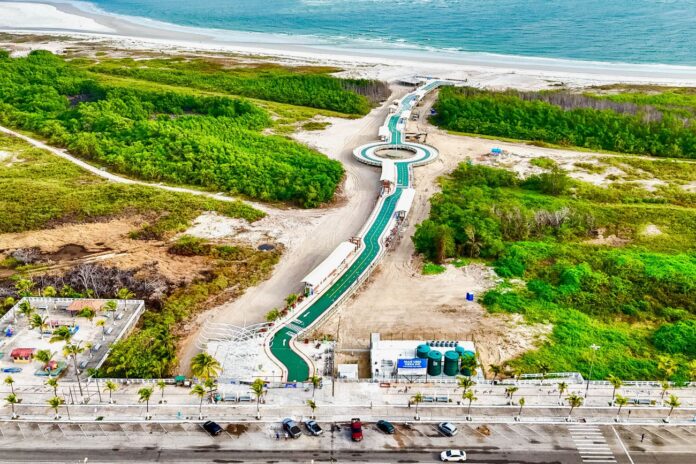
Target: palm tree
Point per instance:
(672, 402)
(199, 391)
(111, 387)
(55, 403)
(616, 383)
(53, 383)
(44, 357)
(110, 306)
(25, 309)
(161, 384)
(469, 395)
(496, 370)
(24, 287)
(620, 401)
(102, 323)
(204, 366)
(469, 363)
(464, 383)
(38, 322)
(10, 381)
(510, 391)
(124, 294)
(562, 387)
(316, 381)
(544, 368)
(521, 402)
(72, 350)
(664, 385)
(291, 299)
(88, 313)
(61, 334)
(574, 401)
(145, 393)
(417, 399)
(313, 406)
(12, 400)
(210, 385)
(258, 389)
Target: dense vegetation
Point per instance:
(636, 301)
(151, 351)
(40, 190)
(162, 135)
(561, 119)
(305, 86)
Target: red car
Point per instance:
(356, 429)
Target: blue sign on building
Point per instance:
(414, 363)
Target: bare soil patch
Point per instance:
(106, 243)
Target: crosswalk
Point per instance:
(591, 444)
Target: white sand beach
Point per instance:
(84, 21)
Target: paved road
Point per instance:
(187, 442)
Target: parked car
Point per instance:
(453, 456)
(447, 428)
(313, 428)
(356, 429)
(212, 428)
(386, 427)
(291, 427)
(12, 370)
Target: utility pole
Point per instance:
(334, 367)
(594, 349)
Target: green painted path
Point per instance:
(280, 346)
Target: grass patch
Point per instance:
(432, 269)
(42, 190)
(543, 162)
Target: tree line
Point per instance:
(564, 120)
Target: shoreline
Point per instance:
(86, 22)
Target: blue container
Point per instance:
(469, 296)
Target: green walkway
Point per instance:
(298, 370)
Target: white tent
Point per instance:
(405, 201)
(327, 267)
(388, 171)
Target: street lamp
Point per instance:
(594, 355)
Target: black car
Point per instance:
(291, 427)
(313, 428)
(386, 427)
(212, 428)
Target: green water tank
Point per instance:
(451, 363)
(460, 350)
(422, 351)
(434, 363)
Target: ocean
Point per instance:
(628, 31)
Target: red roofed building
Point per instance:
(22, 355)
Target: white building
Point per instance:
(328, 268)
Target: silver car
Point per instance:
(447, 428)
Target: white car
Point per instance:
(453, 456)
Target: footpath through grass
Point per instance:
(40, 190)
(587, 264)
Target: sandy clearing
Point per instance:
(111, 246)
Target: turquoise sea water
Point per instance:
(631, 31)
